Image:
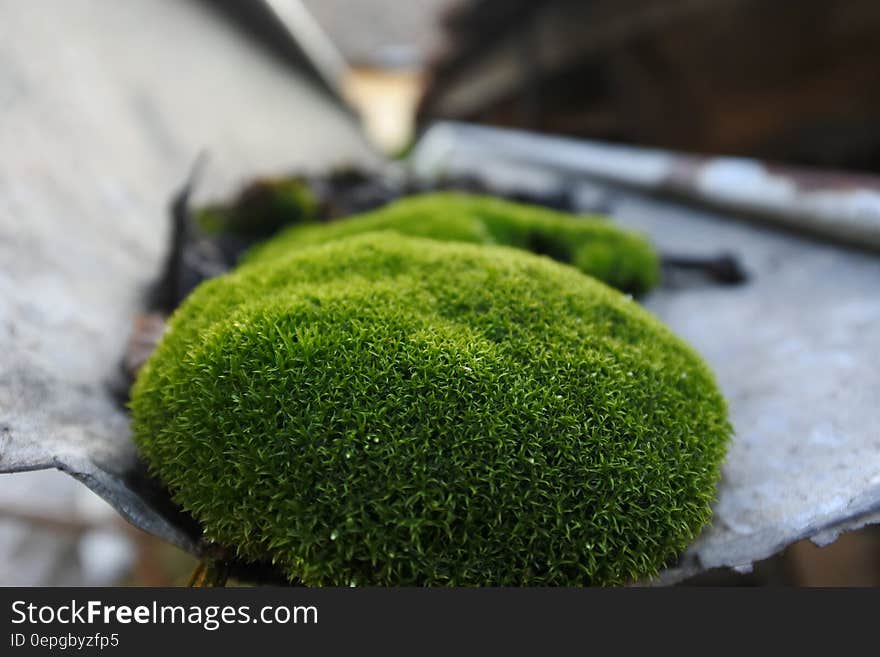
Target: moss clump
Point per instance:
(390, 410)
(594, 245)
(263, 208)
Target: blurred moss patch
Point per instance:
(594, 245)
(263, 208)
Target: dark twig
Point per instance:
(166, 294)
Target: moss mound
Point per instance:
(594, 245)
(390, 410)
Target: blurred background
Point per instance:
(738, 77)
(733, 77)
(790, 82)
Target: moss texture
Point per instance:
(594, 245)
(390, 410)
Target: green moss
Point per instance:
(390, 410)
(262, 209)
(594, 245)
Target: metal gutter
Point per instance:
(311, 38)
(287, 29)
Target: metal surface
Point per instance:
(795, 350)
(305, 31)
(103, 108)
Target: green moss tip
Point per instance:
(618, 257)
(389, 410)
